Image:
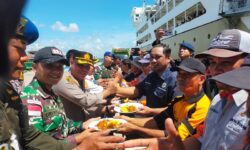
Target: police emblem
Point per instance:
(86, 56)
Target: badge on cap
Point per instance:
(86, 56)
(56, 52)
(21, 26)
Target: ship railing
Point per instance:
(229, 7)
(159, 14)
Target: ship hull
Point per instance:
(201, 36)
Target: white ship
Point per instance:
(194, 21)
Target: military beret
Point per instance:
(27, 30)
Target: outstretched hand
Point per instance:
(173, 140)
(145, 110)
(99, 141)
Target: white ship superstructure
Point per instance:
(194, 21)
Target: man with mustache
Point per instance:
(79, 103)
(159, 87)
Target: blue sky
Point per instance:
(90, 25)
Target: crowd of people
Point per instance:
(195, 102)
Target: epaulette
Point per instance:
(70, 80)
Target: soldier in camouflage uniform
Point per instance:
(45, 108)
(106, 69)
(15, 132)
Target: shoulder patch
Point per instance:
(70, 80)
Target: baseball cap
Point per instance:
(69, 53)
(83, 57)
(192, 65)
(228, 43)
(238, 78)
(136, 62)
(145, 59)
(27, 30)
(188, 46)
(107, 53)
(49, 55)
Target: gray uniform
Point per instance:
(226, 124)
(79, 104)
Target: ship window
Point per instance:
(174, 43)
(191, 13)
(137, 15)
(177, 2)
(208, 36)
(170, 5)
(180, 19)
(201, 10)
(194, 39)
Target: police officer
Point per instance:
(79, 103)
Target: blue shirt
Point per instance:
(226, 124)
(159, 90)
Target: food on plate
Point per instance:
(108, 124)
(126, 100)
(128, 108)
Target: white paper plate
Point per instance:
(137, 105)
(93, 124)
(116, 102)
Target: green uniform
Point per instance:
(46, 112)
(15, 131)
(103, 72)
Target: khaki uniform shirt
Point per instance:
(78, 103)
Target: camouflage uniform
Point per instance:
(103, 72)
(15, 132)
(46, 113)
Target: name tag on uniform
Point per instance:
(30, 101)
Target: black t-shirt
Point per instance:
(210, 88)
(156, 42)
(167, 113)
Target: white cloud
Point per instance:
(59, 26)
(95, 44)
